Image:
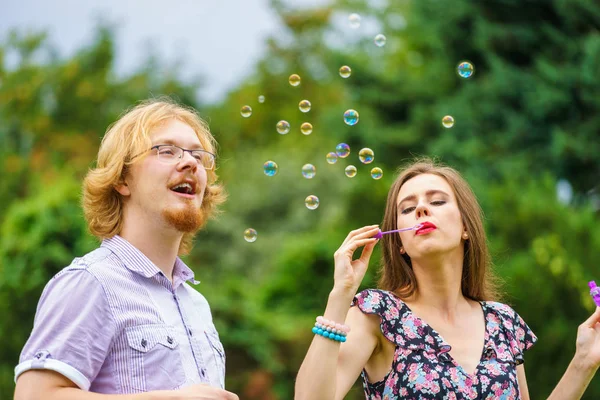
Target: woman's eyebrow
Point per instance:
(428, 193)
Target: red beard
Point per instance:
(188, 219)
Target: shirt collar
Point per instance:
(137, 262)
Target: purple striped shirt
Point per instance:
(111, 322)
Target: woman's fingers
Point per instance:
(367, 251)
(359, 232)
(593, 319)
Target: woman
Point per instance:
(432, 332)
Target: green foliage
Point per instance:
(39, 237)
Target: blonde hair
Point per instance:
(478, 280)
(126, 138)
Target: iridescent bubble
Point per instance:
(342, 150)
(283, 127)
(270, 168)
(311, 202)
(354, 20)
(448, 121)
(350, 171)
(304, 106)
(309, 171)
(332, 158)
(351, 117)
(306, 128)
(465, 69)
(345, 71)
(261, 99)
(366, 155)
(294, 79)
(250, 235)
(380, 40)
(376, 173)
(246, 111)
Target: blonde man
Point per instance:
(123, 322)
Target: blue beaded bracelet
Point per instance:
(338, 337)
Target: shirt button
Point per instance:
(170, 339)
(144, 343)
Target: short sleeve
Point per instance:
(524, 338)
(381, 303)
(520, 337)
(73, 329)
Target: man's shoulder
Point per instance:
(97, 263)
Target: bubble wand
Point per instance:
(595, 292)
(380, 234)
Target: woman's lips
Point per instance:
(426, 228)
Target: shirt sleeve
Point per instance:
(523, 336)
(73, 329)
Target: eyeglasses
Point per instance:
(171, 154)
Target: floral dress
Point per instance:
(423, 368)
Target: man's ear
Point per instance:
(123, 188)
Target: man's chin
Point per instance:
(186, 220)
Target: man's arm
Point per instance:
(50, 385)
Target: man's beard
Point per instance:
(187, 220)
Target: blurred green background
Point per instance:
(526, 138)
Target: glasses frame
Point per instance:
(158, 146)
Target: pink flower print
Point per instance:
(391, 313)
(493, 369)
(429, 339)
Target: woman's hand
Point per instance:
(349, 273)
(587, 350)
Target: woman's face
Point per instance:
(429, 198)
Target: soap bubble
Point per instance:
(304, 106)
(351, 117)
(332, 158)
(350, 171)
(309, 171)
(345, 71)
(366, 155)
(270, 168)
(261, 99)
(354, 20)
(380, 40)
(311, 202)
(465, 69)
(376, 173)
(246, 111)
(306, 128)
(250, 235)
(342, 150)
(283, 127)
(294, 79)
(448, 121)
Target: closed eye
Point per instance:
(435, 203)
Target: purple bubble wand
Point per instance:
(380, 234)
(595, 292)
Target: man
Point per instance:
(123, 320)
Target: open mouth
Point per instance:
(426, 227)
(185, 188)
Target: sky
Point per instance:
(220, 40)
